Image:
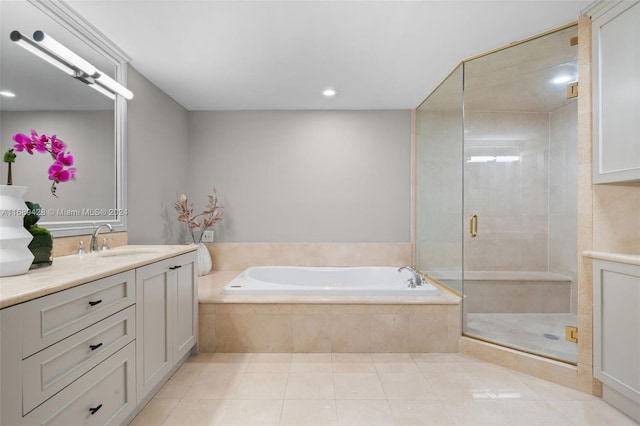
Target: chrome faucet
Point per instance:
(416, 280)
(94, 237)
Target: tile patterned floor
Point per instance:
(365, 389)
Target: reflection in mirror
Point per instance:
(51, 102)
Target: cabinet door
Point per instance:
(616, 93)
(186, 306)
(616, 327)
(155, 289)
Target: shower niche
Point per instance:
(496, 192)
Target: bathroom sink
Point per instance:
(129, 251)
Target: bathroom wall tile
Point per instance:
(253, 308)
(271, 333)
(207, 327)
(389, 332)
(429, 332)
(310, 333)
(65, 246)
(616, 213)
(350, 333)
(233, 333)
(239, 256)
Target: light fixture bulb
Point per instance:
(65, 54)
(329, 92)
(7, 94)
(562, 79)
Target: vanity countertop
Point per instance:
(74, 270)
(631, 259)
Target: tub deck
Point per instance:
(244, 323)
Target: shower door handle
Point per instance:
(473, 225)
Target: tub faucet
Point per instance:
(94, 238)
(416, 280)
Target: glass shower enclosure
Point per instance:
(496, 192)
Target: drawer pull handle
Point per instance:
(94, 347)
(175, 267)
(92, 303)
(95, 410)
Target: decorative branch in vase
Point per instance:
(202, 221)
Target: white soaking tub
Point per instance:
(326, 281)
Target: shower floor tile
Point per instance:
(541, 334)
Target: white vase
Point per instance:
(15, 256)
(204, 260)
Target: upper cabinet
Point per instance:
(616, 91)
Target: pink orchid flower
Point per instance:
(23, 143)
(64, 159)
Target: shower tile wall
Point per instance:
(563, 195)
(510, 198)
(438, 195)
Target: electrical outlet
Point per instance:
(207, 237)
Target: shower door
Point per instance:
(520, 195)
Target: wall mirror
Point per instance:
(49, 101)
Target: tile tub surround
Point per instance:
(231, 323)
(239, 256)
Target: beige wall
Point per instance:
(304, 176)
(157, 162)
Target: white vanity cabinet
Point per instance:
(616, 91)
(166, 294)
(616, 333)
(95, 353)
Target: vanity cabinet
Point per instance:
(166, 294)
(616, 333)
(616, 91)
(97, 352)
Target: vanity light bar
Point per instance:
(102, 90)
(50, 44)
(32, 46)
(110, 84)
(58, 55)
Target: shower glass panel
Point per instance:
(496, 192)
(438, 136)
(520, 195)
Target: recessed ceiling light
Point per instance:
(329, 92)
(562, 79)
(7, 94)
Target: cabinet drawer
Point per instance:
(50, 370)
(50, 319)
(109, 389)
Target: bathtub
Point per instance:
(326, 281)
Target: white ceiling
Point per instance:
(254, 55)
